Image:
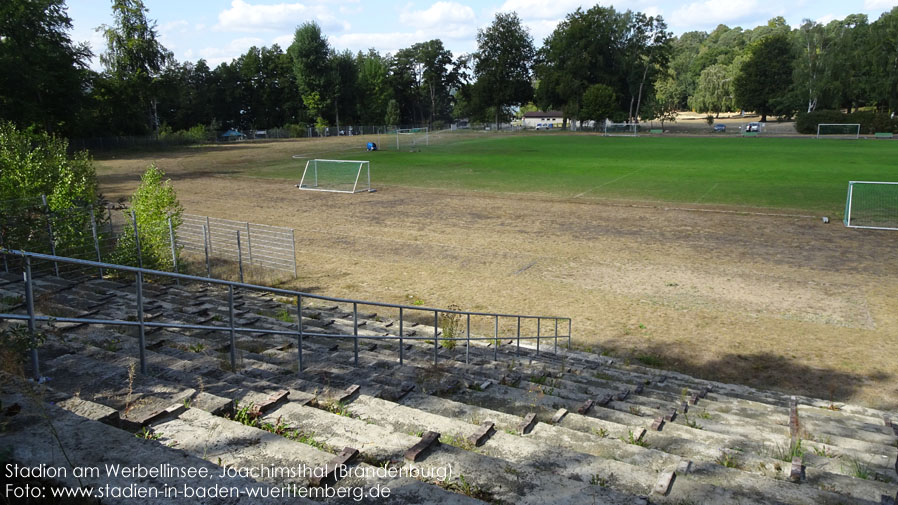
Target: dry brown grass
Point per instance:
(771, 301)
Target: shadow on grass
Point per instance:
(759, 370)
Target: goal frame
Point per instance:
(633, 130)
(857, 134)
(847, 218)
(412, 131)
(313, 163)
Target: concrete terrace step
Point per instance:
(86, 442)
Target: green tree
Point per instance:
(392, 115)
(153, 203)
(599, 103)
(714, 92)
(134, 58)
(312, 67)
(42, 72)
(373, 87)
(33, 165)
(502, 65)
(766, 76)
(883, 52)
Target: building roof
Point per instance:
(550, 113)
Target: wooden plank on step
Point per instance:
(330, 468)
(665, 480)
(527, 424)
(483, 434)
(559, 416)
(429, 439)
(585, 407)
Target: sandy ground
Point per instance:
(776, 301)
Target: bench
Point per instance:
(883, 135)
(656, 130)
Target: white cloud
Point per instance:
(443, 20)
(246, 17)
(871, 5)
(541, 9)
(710, 13)
(825, 19)
(230, 51)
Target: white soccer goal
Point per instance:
(872, 205)
(620, 129)
(839, 130)
(411, 139)
(338, 176)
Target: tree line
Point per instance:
(598, 63)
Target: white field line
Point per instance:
(609, 182)
(706, 193)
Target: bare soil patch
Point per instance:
(774, 301)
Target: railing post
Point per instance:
(29, 300)
(468, 346)
(233, 331)
(436, 322)
(239, 257)
(299, 337)
(141, 335)
(538, 321)
(206, 252)
(355, 331)
(293, 243)
(50, 233)
(93, 230)
(174, 255)
(496, 341)
(137, 239)
(401, 346)
(556, 336)
(519, 335)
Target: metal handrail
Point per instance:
(232, 328)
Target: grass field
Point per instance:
(547, 224)
(788, 173)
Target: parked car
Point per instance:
(720, 127)
(753, 127)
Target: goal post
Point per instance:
(839, 130)
(336, 176)
(412, 138)
(620, 129)
(872, 205)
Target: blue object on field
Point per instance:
(372, 146)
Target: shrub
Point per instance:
(870, 121)
(33, 164)
(153, 204)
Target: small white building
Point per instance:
(532, 120)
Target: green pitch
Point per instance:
(802, 173)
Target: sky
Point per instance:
(219, 31)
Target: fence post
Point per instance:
(293, 243)
(468, 345)
(174, 255)
(519, 335)
(436, 322)
(93, 230)
(568, 334)
(249, 244)
(239, 257)
(141, 336)
(206, 252)
(137, 239)
(401, 346)
(50, 233)
(209, 231)
(355, 330)
(29, 300)
(233, 331)
(299, 337)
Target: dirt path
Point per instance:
(773, 301)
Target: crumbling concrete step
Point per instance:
(238, 446)
(86, 442)
(500, 479)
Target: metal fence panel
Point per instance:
(260, 245)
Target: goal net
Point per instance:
(412, 139)
(339, 176)
(620, 129)
(872, 205)
(839, 130)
